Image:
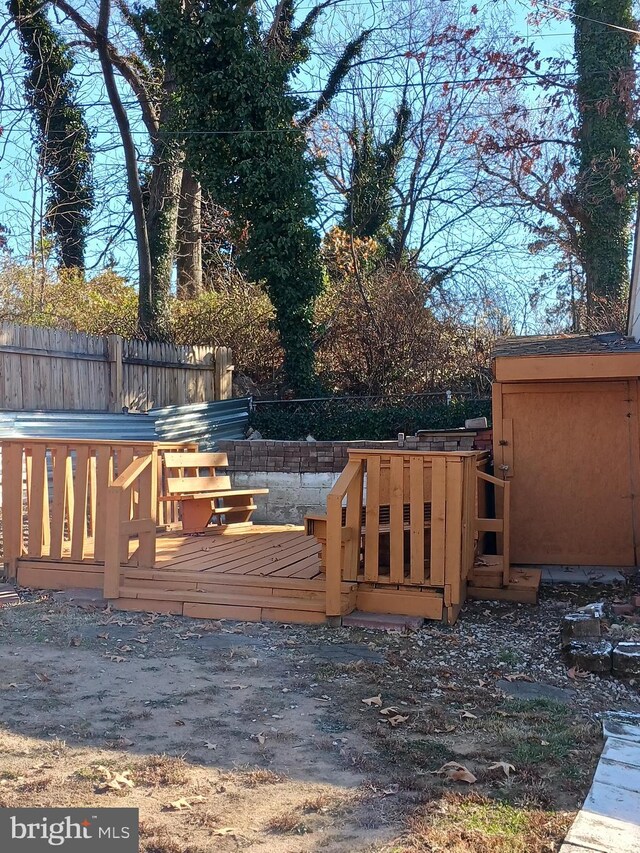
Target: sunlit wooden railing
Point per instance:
(131, 515)
(403, 519)
(343, 532)
(498, 525)
(55, 495)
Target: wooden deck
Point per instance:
(265, 573)
(95, 514)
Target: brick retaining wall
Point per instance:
(318, 457)
(300, 474)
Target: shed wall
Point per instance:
(572, 452)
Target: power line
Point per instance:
(591, 20)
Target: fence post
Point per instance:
(223, 373)
(116, 377)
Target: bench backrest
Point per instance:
(184, 472)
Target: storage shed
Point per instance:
(567, 436)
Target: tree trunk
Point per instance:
(162, 211)
(145, 289)
(189, 238)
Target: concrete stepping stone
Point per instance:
(609, 821)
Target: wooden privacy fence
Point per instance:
(399, 521)
(82, 503)
(52, 369)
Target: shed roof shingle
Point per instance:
(598, 344)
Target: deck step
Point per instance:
(522, 587)
(245, 600)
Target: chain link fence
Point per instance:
(370, 418)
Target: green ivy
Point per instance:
(605, 182)
(249, 150)
(369, 208)
(340, 420)
(61, 133)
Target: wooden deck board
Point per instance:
(268, 573)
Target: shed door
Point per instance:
(571, 471)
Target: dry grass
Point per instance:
(286, 822)
(321, 802)
(157, 840)
(260, 776)
(161, 771)
(475, 824)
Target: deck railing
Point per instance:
(59, 500)
(398, 519)
(131, 511)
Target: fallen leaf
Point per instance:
(467, 715)
(125, 648)
(261, 739)
(239, 686)
(395, 721)
(179, 805)
(42, 676)
(225, 830)
(574, 673)
(179, 723)
(104, 636)
(184, 803)
(457, 772)
(462, 775)
(373, 701)
(210, 745)
(518, 676)
(141, 640)
(502, 765)
(390, 710)
(115, 658)
(392, 789)
(114, 781)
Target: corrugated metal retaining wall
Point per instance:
(204, 423)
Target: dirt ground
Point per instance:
(235, 736)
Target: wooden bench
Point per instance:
(207, 498)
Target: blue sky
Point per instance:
(21, 190)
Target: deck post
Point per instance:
(12, 505)
(112, 544)
(334, 554)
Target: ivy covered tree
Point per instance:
(62, 136)
(233, 83)
(369, 211)
(605, 182)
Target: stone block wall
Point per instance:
(300, 474)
